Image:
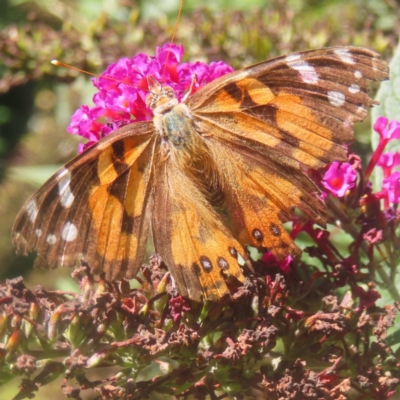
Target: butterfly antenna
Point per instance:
(62, 64)
(173, 34)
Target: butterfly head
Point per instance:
(160, 99)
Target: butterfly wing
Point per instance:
(96, 207)
(260, 197)
(190, 235)
(276, 119)
(300, 109)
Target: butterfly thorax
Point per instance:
(182, 144)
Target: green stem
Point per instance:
(389, 284)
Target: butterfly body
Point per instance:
(180, 143)
(239, 145)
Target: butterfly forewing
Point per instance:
(118, 219)
(302, 105)
(81, 211)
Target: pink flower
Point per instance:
(388, 161)
(393, 132)
(271, 260)
(122, 90)
(84, 120)
(204, 73)
(392, 186)
(386, 135)
(339, 178)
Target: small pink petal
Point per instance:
(339, 178)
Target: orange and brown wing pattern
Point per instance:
(191, 237)
(261, 195)
(95, 208)
(268, 122)
(298, 110)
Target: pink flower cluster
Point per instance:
(122, 89)
(341, 177)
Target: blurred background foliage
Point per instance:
(37, 98)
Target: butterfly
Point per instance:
(237, 147)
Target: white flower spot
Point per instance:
(307, 72)
(69, 232)
(32, 210)
(337, 99)
(64, 190)
(358, 74)
(344, 55)
(354, 88)
(51, 239)
(38, 232)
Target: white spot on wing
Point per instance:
(38, 232)
(337, 99)
(51, 239)
(354, 88)
(361, 110)
(69, 232)
(292, 57)
(307, 72)
(32, 210)
(240, 75)
(358, 74)
(64, 189)
(206, 264)
(344, 55)
(63, 172)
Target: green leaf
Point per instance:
(394, 338)
(389, 97)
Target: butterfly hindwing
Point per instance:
(262, 196)
(86, 209)
(191, 237)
